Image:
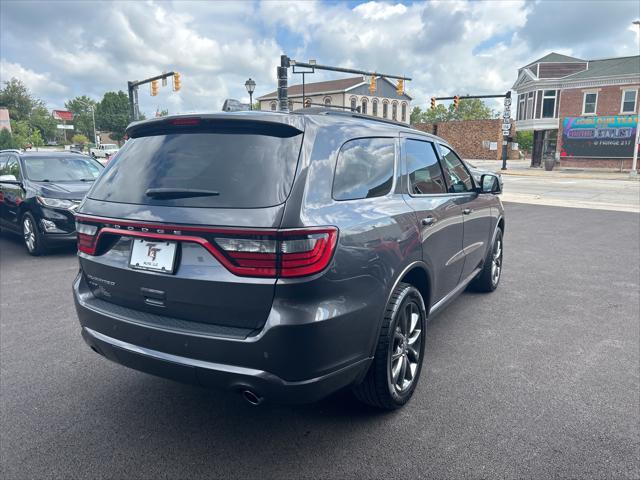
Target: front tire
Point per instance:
(31, 235)
(395, 370)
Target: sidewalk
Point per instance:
(522, 168)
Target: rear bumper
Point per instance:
(59, 238)
(228, 377)
(269, 364)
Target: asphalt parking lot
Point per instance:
(539, 379)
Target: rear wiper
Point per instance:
(87, 179)
(179, 193)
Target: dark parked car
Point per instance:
(282, 256)
(39, 192)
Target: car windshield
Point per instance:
(109, 146)
(61, 169)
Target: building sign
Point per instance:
(64, 115)
(603, 137)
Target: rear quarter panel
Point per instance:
(378, 237)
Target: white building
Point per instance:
(352, 93)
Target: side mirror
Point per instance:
(9, 179)
(490, 183)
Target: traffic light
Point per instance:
(456, 101)
(372, 84)
(177, 83)
(154, 88)
(400, 87)
(433, 103)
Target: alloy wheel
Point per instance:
(496, 262)
(406, 347)
(28, 230)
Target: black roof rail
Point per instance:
(333, 111)
(15, 150)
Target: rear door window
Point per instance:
(239, 168)
(364, 168)
(425, 174)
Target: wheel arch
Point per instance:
(417, 274)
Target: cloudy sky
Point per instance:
(64, 49)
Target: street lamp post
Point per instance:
(250, 86)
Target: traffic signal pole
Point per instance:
(286, 62)
(132, 88)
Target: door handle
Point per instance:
(428, 221)
(467, 211)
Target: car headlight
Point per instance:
(56, 202)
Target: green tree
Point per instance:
(24, 134)
(112, 114)
(416, 116)
(6, 139)
(438, 114)
(82, 116)
(17, 98)
(525, 140)
(470, 109)
(42, 120)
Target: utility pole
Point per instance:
(132, 88)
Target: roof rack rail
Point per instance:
(15, 150)
(332, 111)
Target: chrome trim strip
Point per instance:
(168, 357)
(453, 292)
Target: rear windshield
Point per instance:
(245, 170)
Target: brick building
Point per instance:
(472, 139)
(582, 112)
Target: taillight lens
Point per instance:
(288, 253)
(87, 236)
(272, 254)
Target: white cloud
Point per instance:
(448, 47)
(39, 83)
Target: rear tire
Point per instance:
(31, 236)
(395, 369)
(489, 278)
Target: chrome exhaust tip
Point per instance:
(252, 397)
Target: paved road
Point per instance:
(568, 188)
(539, 379)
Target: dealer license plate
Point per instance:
(157, 256)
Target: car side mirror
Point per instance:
(490, 183)
(9, 179)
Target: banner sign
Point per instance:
(604, 137)
(64, 115)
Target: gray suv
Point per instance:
(282, 256)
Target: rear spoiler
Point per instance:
(230, 124)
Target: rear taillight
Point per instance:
(87, 236)
(285, 253)
(255, 253)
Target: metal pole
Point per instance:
(283, 93)
(506, 118)
(250, 100)
(132, 111)
(303, 74)
(634, 164)
(93, 115)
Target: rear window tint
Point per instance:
(364, 168)
(248, 170)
